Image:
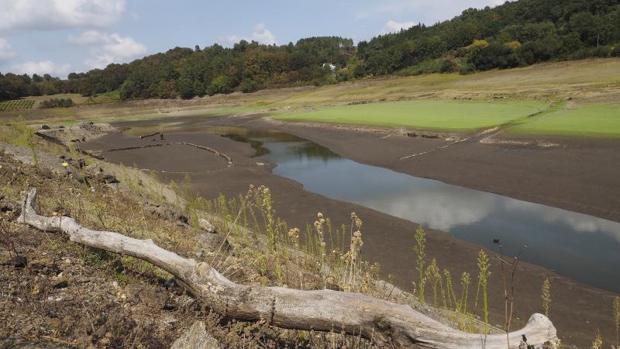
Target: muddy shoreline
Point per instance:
(577, 309)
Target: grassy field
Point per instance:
(424, 114)
(602, 120)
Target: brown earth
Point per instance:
(56, 294)
(571, 176)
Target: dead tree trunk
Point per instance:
(322, 310)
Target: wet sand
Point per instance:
(577, 309)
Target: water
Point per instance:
(576, 245)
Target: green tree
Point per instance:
(185, 86)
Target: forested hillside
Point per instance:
(514, 34)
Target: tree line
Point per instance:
(515, 34)
(13, 86)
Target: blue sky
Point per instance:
(62, 36)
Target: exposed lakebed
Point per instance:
(575, 245)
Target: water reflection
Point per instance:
(583, 247)
(437, 206)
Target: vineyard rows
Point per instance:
(16, 105)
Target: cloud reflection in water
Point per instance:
(574, 244)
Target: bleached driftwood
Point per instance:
(323, 310)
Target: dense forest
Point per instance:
(514, 34)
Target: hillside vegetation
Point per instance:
(515, 34)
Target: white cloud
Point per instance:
(260, 34)
(58, 14)
(263, 35)
(89, 37)
(6, 52)
(41, 68)
(436, 6)
(441, 208)
(579, 222)
(108, 48)
(393, 26)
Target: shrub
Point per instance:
(248, 86)
(57, 103)
(494, 55)
(467, 68)
(447, 66)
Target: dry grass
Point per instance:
(123, 209)
(546, 296)
(316, 257)
(100, 207)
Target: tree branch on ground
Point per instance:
(378, 320)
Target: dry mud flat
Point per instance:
(577, 310)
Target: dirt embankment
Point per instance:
(56, 294)
(59, 294)
(577, 310)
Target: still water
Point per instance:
(576, 245)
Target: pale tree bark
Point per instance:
(321, 310)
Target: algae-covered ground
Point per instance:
(424, 114)
(594, 120)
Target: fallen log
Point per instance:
(220, 154)
(136, 147)
(201, 147)
(150, 135)
(384, 322)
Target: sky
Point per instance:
(62, 36)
